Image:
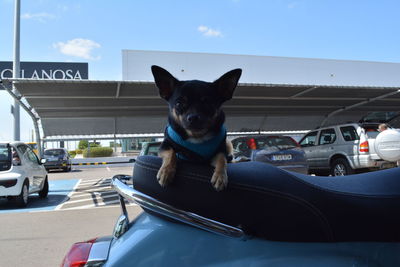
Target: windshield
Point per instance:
(33, 146)
(153, 149)
(54, 152)
(281, 142)
(5, 157)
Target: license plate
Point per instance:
(282, 157)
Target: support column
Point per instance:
(16, 68)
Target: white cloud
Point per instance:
(206, 31)
(78, 48)
(42, 17)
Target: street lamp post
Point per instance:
(16, 67)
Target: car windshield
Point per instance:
(281, 142)
(54, 152)
(153, 149)
(33, 146)
(5, 157)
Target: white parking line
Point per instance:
(115, 194)
(87, 192)
(68, 196)
(95, 181)
(94, 186)
(98, 205)
(97, 192)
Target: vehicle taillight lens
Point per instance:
(78, 254)
(252, 143)
(364, 146)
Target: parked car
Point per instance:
(57, 158)
(33, 146)
(21, 173)
(343, 149)
(279, 150)
(150, 148)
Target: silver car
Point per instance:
(343, 149)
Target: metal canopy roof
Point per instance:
(84, 107)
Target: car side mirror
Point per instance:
(43, 161)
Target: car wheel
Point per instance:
(22, 199)
(45, 190)
(340, 167)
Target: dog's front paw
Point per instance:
(219, 180)
(165, 175)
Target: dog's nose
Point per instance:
(193, 118)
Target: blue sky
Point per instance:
(95, 31)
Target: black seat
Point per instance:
(271, 203)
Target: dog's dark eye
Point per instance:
(179, 105)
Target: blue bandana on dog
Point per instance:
(205, 150)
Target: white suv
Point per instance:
(21, 173)
(343, 149)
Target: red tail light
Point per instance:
(78, 254)
(364, 146)
(252, 143)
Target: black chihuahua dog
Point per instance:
(196, 129)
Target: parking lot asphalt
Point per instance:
(83, 187)
(42, 233)
(59, 191)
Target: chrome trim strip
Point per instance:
(193, 219)
(99, 252)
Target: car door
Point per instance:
(32, 168)
(39, 170)
(26, 164)
(308, 143)
(326, 140)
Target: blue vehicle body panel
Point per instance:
(152, 241)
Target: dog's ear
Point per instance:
(165, 82)
(227, 83)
